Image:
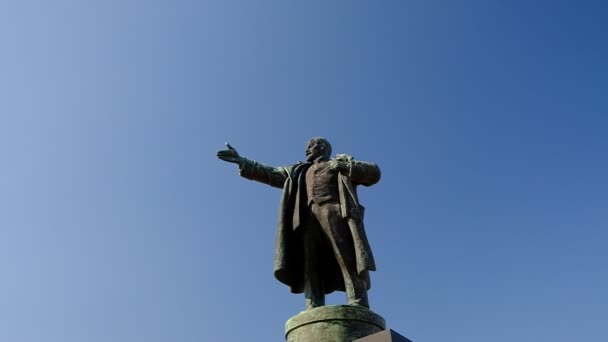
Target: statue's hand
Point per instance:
(343, 162)
(341, 165)
(230, 155)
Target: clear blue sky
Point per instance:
(489, 120)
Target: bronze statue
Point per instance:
(321, 245)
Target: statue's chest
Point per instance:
(321, 174)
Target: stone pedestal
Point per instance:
(387, 335)
(333, 323)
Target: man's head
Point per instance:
(318, 147)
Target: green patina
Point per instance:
(339, 323)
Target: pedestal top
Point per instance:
(332, 313)
(333, 323)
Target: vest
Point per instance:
(321, 183)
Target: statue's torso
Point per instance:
(321, 182)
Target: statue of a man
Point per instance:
(321, 245)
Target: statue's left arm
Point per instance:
(363, 173)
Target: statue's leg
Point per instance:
(313, 282)
(338, 233)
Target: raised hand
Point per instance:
(230, 155)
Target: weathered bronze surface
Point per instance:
(321, 244)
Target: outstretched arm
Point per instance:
(252, 170)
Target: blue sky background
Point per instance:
(489, 120)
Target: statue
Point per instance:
(321, 245)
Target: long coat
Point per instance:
(293, 211)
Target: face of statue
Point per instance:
(316, 148)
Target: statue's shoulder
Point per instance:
(297, 167)
(344, 157)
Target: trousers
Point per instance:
(326, 222)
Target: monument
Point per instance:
(321, 245)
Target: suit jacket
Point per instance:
(293, 209)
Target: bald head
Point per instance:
(318, 147)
